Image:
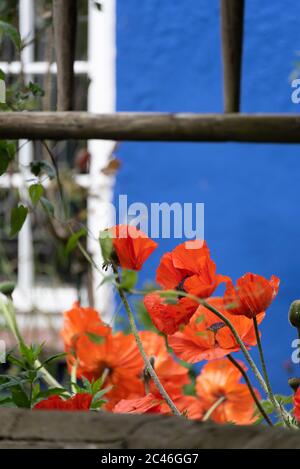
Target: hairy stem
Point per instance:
(47, 377)
(139, 343)
(213, 408)
(252, 392)
(272, 398)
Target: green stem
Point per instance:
(251, 390)
(282, 414)
(9, 314)
(213, 408)
(272, 398)
(47, 377)
(235, 334)
(139, 343)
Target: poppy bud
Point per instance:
(294, 314)
(7, 288)
(294, 383)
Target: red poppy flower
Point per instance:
(132, 247)
(190, 407)
(78, 402)
(252, 294)
(218, 384)
(142, 405)
(189, 268)
(206, 337)
(297, 404)
(167, 317)
(172, 375)
(119, 357)
(79, 321)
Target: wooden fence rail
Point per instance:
(276, 128)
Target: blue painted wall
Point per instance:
(169, 60)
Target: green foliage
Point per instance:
(47, 206)
(128, 280)
(94, 388)
(38, 168)
(36, 89)
(35, 192)
(23, 390)
(7, 152)
(74, 239)
(17, 219)
(6, 29)
(106, 244)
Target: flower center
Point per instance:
(180, 286)
(216, 326)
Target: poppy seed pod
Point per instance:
(294, 383)
(7, 288)
(294, 314)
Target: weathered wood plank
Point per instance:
(40, 429)
(152, 127)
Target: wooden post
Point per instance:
(232, 16)
(64, 21)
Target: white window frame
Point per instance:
(100, 68)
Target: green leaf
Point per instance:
(267, 406)
(30, 353)
(36, 89)
(2, 74)
(96, 405)
(4, 162)
(19, 397)
(73, 240)
(128, 280)
(95, 338)
(97, 385)
(106, 244)
(57, 356)
(15, 361)
(52, 392)
(42, 167)
(9, 30)
(17, 219)
(284, 399)
(7, 152)
(108, 279)
(77, 388)
(11, 383)
(101, 393)
(86, 385)
(35, 192)
(5, 400)
(47, 206)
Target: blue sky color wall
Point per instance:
(169, 60)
